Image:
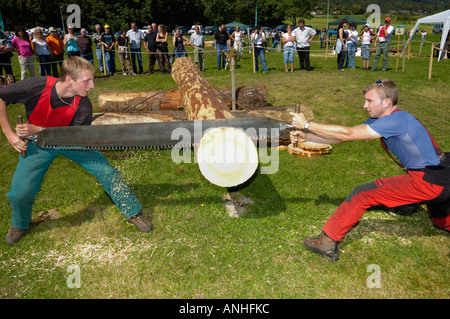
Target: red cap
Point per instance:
(387, 19)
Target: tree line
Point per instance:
(119, 13)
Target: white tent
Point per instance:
(444, 18)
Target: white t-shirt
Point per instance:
(287, 36)
(301, 36)
(135, 38)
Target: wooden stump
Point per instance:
(199, 99)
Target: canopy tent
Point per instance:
(234, 24)
(349, 19)
(444, 18)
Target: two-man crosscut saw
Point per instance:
(179, 134)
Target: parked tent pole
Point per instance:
(398, 52)
(233, 86)
(430, 69)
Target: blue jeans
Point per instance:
(30, 172)
(44, 61)
(275, 43)
(110, 57)
(221, 58)
(100, 59)
(351, 50)
(88, 56)
(136, 53)
(180, 52)
(259, 52)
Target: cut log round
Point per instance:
(227, 157)
(301, 152)
(199, 99)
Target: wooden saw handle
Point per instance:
(20, 121)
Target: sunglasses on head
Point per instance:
(380, 83)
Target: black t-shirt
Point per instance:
(85, 44)
(150, 38)
(29, 92)
(221, 37)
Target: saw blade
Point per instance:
(179, 134)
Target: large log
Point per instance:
(246, 97)
(139, 101)
(199, 99)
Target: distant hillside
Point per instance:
(350, 7)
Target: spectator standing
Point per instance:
(259, 38)
(366, 39)
(85, 45)
(323, 37)
(178, 43)
(276, 40)
(108, 40)
(42, 52)
(163, 49)
(5, 54)
(352, 45)
(383, 40)
(288, 43)
(56, 47)
(151, 47)
(136, 38)
(238, 37)
(304, 35)
(221, 43)
(97, 38)
(340, 47)
(122, 51)
(197, 42)
(423, 35)
(21, 44)
(71, 42)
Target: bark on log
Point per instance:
(118, 102)
(246, 97)
(199, 99)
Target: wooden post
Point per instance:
(253, 55)
(326, 48)
(233, 86)
(430, 69)
(398, 52)
(104, 60)
(297, 110)
(404, 54)
(409, 49)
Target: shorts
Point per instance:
(288, 55)
(365, 51)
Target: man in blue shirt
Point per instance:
(427, 178)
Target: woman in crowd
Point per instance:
(352, 45)
(288, 42)
(21, 44)
(42, 52)
(238, 37)
(163, 49)
(179, 42)
(340, 44)
(71, 43)
(122, 51)
(366, 38)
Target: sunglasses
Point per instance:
(380, 83)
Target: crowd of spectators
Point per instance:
(48, 49)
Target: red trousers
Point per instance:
(394, 191)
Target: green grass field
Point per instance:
(196, 250)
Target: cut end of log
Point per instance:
(227, 157)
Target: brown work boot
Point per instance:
(14, 235)
(141, 222)
(323, 245)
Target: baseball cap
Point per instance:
(51, 29)
(106, 26)
(388, 19)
